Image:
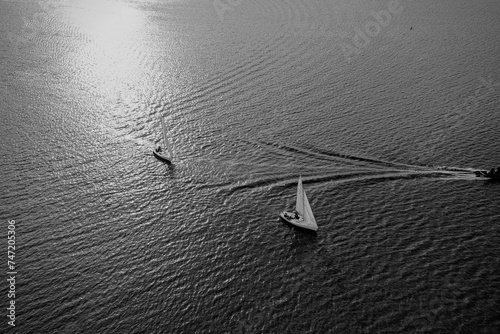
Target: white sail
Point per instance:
(299, 205)
(165, 139)
(303, 207)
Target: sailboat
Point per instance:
(164, 153)
(303, 216)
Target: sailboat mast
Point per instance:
(165, 142)
(303, 199)
(165, 139)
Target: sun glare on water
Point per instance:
(108, 21)
(113, 37)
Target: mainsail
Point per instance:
(303, 208)
(165, 139)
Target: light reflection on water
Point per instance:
(110, 56)
(115, 240)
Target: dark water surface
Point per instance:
(385, 126)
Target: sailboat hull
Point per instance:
(161, 156)
(287, 216)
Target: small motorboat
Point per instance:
(493, 173)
